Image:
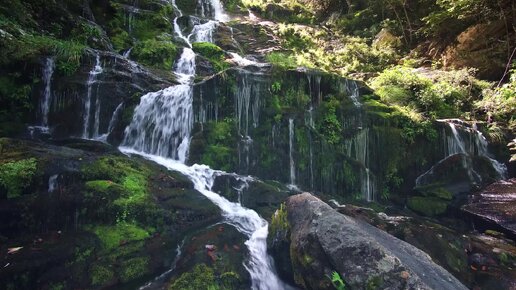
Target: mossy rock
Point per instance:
(428, 206)
(211, 52)
(435, 190)
(156, 53)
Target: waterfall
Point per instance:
(97, 69)
(162, 123)
(48, 71)
(357, 149)
(470, 143)
(112, 122)
(291, 153)
(203, 32)
(211, 9)
(160, 131)
(52, 183)
(127, 53)
(353, 91)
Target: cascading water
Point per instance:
(469, 142)
(162, 123)
(160, 131)
(93, 75)
(211, 9)
(52, 183)
(292, 184)
(48, 71)
(357, 148)
(112, 122)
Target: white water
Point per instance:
(162, 123)
(292, 184)
(112, 122)
(470, 142)
(48, 71)
(160, 131)
(352, 89)
(246, 221)
(97, 69)
(212, 8)
(242, 61)
(357, 148)
(52, 183)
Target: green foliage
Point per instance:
(500, 102)
(112, 236)
(280, 59)
(428, 206)
(15, 104)
(100, 275)
(329, 125)
(134, 268)
(437, 96)
(155, 53)
(16, 176)
(213, 53)
(220, 137)
(279, 222)
(201, 277)
(337, 281)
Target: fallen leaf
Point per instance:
(13, 250)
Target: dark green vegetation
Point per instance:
(213, 53)
(109, 220)
(114, 221)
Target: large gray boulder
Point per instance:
(323, 240)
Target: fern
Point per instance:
(337, 281)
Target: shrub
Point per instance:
(17, 176)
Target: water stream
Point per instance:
(92, 79)
(160, 131)
(460, 139)
(48, 71)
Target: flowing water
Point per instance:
(52, 183)
(292, 184)
(160, 131)
(92, 79)
(459, 139)
(48, 71)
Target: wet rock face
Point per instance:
(494, 207)
(322, 241)
(120, 81)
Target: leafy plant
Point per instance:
(17, 175)
(337, 281)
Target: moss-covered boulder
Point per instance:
(86, 216)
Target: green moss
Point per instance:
(134, 268)
(112, 236)
(156, 53)
(375, 282)
(428, 206)
(201, 277)
(57, 286)
(211, 52)
(279, 222)
(101, 275)
(435, 190)
(281, 60)
(16, 176)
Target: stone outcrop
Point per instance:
(494, 207)
(323, 240)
